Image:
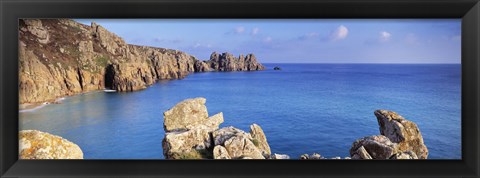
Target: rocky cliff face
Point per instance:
(60, 57)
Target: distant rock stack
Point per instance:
(192, 134)
(34, 144)
(227, 62)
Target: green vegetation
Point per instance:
(76, 28)
(255, 142)
(102, 61)
(74, 52)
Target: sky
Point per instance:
(300, 40)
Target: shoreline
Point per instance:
(30, 107)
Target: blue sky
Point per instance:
(300, 41)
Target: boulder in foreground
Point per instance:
(34, 144)
(191, 134)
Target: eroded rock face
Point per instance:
(377, 147)
(242, 146)
(34, 144)
(259, 139)
(220, 152)
(186, 115)
(401, 131)
(223, 134)
(188, 130)
(178, 144)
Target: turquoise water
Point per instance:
(303, 108)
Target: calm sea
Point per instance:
(303, 108)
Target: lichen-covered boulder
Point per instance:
(186, 115)
(191, 134)
(242, 146)
(174, 143)
(361, 153)
(220, 152)
(188, 129)
(34, 144)
(259, 139)
(401, 131)
(223, 134)
(377, 146)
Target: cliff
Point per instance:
(60, 57)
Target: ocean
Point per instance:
(303, 108)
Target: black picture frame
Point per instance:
(467, 10)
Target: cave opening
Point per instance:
(109, 77)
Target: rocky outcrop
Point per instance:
(60, 57)
(35, 144)
(401, 131)
(191, 134)
(374, 147)
(227, 62)
(399, 139)
(259, 139)
(188, 129)
(280, 156)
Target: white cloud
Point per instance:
(255, 31)
(339, 34)
(385, 36)
(239, 30)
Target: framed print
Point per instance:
(240, 89)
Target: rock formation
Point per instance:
(191, 134)
(35, 144)
(60, 57)
(373, 147)
(227, 62)
(401, 131)
(399, 139)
